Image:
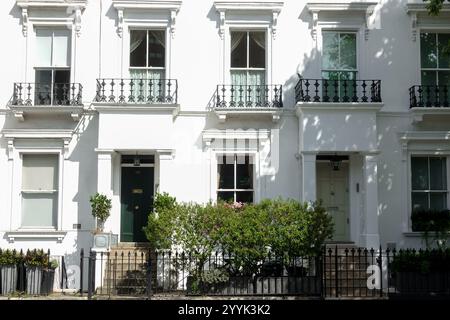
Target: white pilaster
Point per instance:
(309, 176)
(370, 237)
(165, 170)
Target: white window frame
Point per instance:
(414, 152)
(436, 70)
(340, 31)
(29, 191)
(125, 43)
(248, 69)
(147, 68)
(16, 222)
(429, 191)
(235, 190)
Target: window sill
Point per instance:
(22, 234)
(416, 234)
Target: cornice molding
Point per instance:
(351, 7)
(272, 8)
(171, 6)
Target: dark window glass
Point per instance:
(156, 48)
(244, 196)
(238, 49)
(227, 196)
(257, 50)
(138, 48)
(419, 170)
(244, 173)
(226, 173)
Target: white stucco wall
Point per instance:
(197, 61)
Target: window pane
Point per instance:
(61, 48)
(419, 172)
(40, 172)
(429, 78)
(225, 171)
(61, 87)
(244, 173)
(238, 49)
(239, 78)
(444, 50)
(428, 55)
(330, 58)
(444, 80)
(227, 196)
(156, 48)
(138, 48)
(348, 51)
(39, 210)
(43, 87)
(438, 172)
(43, 48)
(419, 200)
(257, 50)
(438, 201)
(244, 196)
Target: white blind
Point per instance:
(39, 210)
(40, 172)
(43, 47)
(52, 48)
(61, 48)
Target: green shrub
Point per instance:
(423, 261)
(9, 257)
(435, 223)
(36, 258)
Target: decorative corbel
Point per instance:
(404, 145)
(222, 24)
(414, 26)
(120, 22)
(77, 21)
(173, 15)
(315, 21)
(274, 24)
(25, 22)
(10, 148)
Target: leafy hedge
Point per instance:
(245, 232)
(423, 261)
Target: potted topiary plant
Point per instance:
(101, 207)
(8, 271)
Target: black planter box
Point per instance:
(48, 277)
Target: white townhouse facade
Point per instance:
(344, 101)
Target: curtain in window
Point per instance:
(260, 39)
(236, 40)
(136, 39)
(159, 36)
(149, 85)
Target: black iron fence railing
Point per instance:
(24, 277)
(334, 91)
(429, 96)
(336, 272)
(249, 96)
(44, 94)
(137, 91)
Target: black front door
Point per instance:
(136, 202)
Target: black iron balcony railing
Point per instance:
(137, 91)
(45, 94)
(428, 96)
(322, 90)
(249, 96)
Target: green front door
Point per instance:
(136, 200)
